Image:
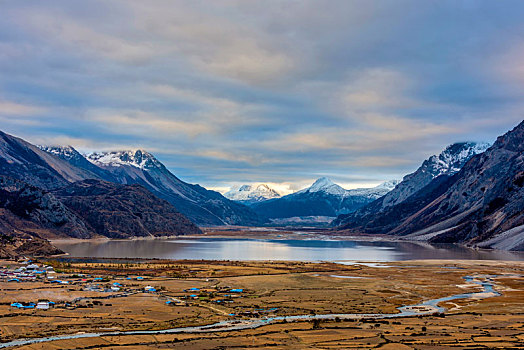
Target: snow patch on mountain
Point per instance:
(453, 158)
(374, 192)
(64, 152)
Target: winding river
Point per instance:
(428, 307)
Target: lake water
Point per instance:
(269, 249)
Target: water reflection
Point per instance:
(251, 249)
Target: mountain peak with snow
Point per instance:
(64, 152)
(448, 162)
(453, 158)
(325, 184)
(388, 185)
(137, 158)
(252, 193)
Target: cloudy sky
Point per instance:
(227, 92)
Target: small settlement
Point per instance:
(100, 288)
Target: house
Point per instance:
(42, 305)
(149, 289)
(32, 267)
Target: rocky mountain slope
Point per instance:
(86, 209)
(75, 158)
(48, 215)
(120, 211)
(447, 163)
(56, 192)
(482, 204)
(20, 244)
(249, 194)
(26, 162)
(323, 198)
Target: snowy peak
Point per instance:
(252, 193)
(453, 158)
(388, 185)
(374, 192)
(325, 184)
(64, 152)
(448, 162)
(139, 159)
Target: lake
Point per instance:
(276, 249)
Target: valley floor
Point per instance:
(165, 294)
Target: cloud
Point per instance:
(138, 122)
(18, 109)
(233, 91)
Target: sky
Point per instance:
(283, 92)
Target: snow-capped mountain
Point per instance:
(327, 186)
(323, 198)
(138, 158)
(40, 197)
(449, 162)
(324, 185)
(202, 206)
(482, 204)
(75, 158)
(248, 194)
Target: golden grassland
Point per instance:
(269, 288)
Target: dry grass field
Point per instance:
(268, 289)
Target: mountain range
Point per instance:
(323, 198)
(481, 204)
(139, 167)
(471, 193)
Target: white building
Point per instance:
(42, 305)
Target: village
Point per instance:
(111, 287)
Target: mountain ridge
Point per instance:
(477, 205)
(323, 198)
(129, 167)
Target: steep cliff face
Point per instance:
(120, 211)
(482, 204)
